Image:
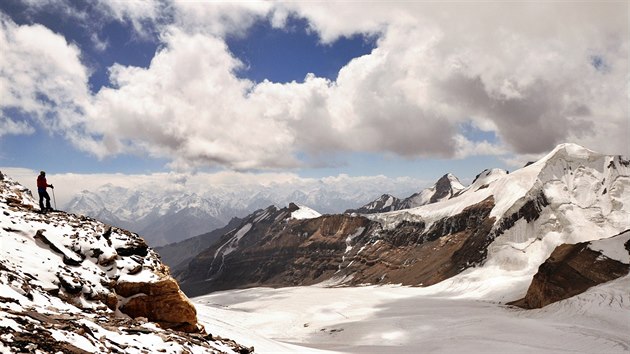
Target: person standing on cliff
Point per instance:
(42, 184)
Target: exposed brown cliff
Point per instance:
(356, 249)
(570, 270)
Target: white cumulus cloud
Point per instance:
(532, 74)
(42, 77)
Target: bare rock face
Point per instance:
(160, 302)
(411, 255)
(271, 249)
(276, 251)
(570, 270)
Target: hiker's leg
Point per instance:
(41, 201)
(47, 200)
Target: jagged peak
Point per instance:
(451, 180)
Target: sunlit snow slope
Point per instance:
(400, 320)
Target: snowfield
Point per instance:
(584, 198)
(395, 319)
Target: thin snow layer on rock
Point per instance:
(57, 277)
(305, 213)
(52, 248)
(232, 244)
(394, 319)
(455, 183)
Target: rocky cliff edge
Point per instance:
(72, 284)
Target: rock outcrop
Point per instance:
(573, 268)
(69, 283)
(160, 301)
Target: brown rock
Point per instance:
(161, 302)
(570, 270)
(284, 252)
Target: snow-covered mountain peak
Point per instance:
(568, 152)
(487, 241)
(573, 150)
(489, 175)
(447, 186)
(572, 195)
(453, 181)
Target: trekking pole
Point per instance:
(54, 200)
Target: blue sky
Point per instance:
(405, 89)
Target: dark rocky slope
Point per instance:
(280, 251)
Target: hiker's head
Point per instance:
(42, 173)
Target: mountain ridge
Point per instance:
(507, 222)
(139, 209)
(445, 187)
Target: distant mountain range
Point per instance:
(178, 254)
(537, 235)
(445, 188)
(164, 216)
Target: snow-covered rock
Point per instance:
(304, 212)
(384, 203)
(70, 283)
(571, 195)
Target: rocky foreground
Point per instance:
(72, 284)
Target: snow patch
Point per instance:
(304, 213)
(613, 247)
